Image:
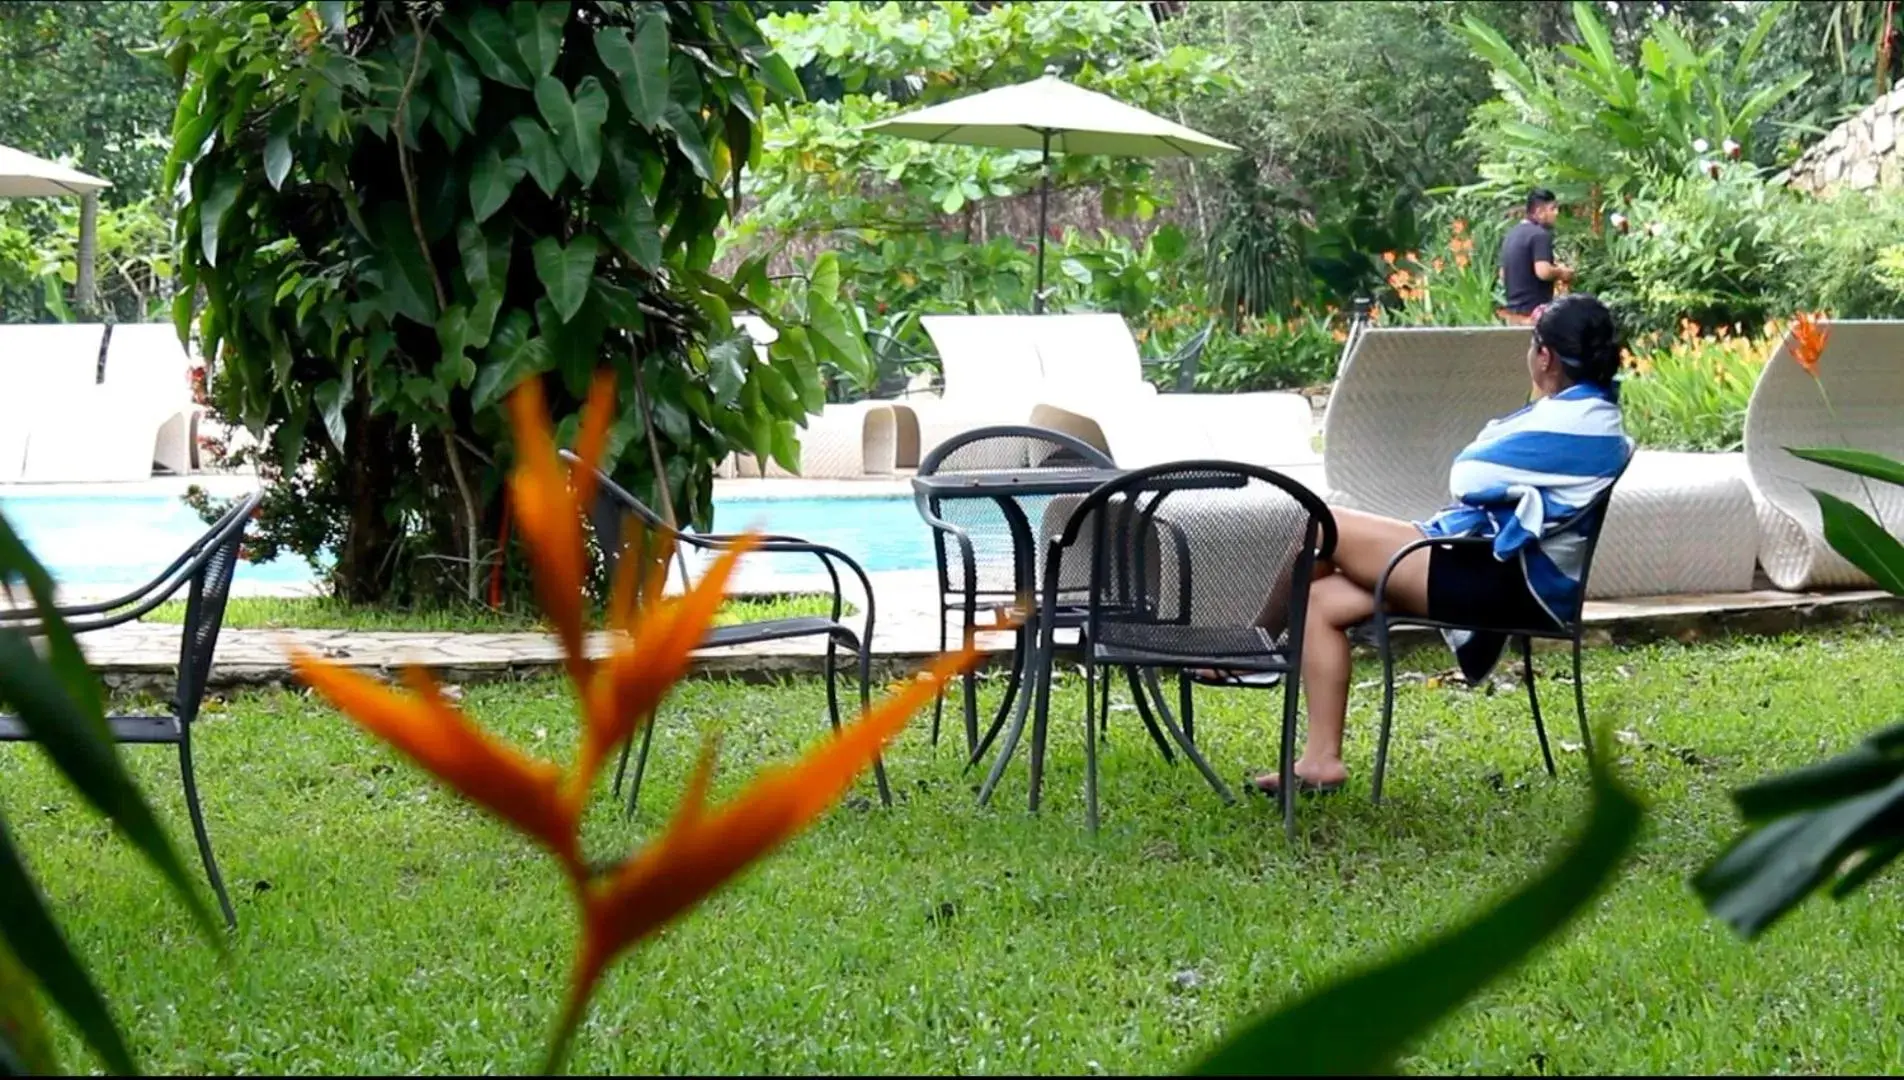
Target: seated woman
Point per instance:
(1522, 475)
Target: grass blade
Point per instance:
(1361, 1024)
(35, 939)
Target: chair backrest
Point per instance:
(984, 358)
(148, 359)
(49, 362)
(1590, 522)
(990, 449)
(1862, 371)
(1091, 354)
(1200, 545)
(1406, 402)
(205, 604)
(1189, 357)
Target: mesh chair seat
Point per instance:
(1158, 645)
(797, 626)
(125, 729)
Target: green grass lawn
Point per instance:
(388, 927)
(321, 613)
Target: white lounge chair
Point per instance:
(85, 430)
(1408, 400)
(42, 369)
(1863, 372)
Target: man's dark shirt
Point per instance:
(1524, 245)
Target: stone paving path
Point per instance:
(144, 654)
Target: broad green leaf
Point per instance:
(565, 271)
(577, 122)
(514, 352)
(491, 182)
(689, 137)
(727, 366)
(1767, 872)
(330, 397)
(786, 445)
(631, 226)
(539, 153)
(1861, 462)
(620, 307)
(213, 211)
(1872, 764)
(640, 65)
(25, 1047)
(35, 939)
(453, 368)
(459, 90)
(277, 160)
(491, 44)
(1852, 533)
(781, 394)
(406, 276)
(780, 79)
(538, 28)
(1359, 1025)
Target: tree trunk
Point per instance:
(365, 569)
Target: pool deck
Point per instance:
(143, 655)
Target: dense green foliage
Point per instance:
(397, 214)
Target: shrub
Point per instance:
(1690, 392)
(1271, 353)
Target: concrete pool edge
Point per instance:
(143, 656)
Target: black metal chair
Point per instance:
(1588, 522)
(1165, 591)
(973, 544)
(207, 566)
(1184, 361)
(614, 502)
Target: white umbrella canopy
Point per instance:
(1048, 114)
(1051, 114)
(23, 176)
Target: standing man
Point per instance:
(1528, 269)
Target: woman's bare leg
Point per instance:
(1337, 602)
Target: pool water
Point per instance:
(123, 540)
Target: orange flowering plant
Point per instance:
(702, 847)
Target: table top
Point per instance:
(1006, 483)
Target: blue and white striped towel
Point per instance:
(1523, 475)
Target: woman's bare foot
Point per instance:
(1319, 777)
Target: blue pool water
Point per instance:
(122, 540)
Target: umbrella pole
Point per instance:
(1044, 211)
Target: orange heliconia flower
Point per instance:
(1460, 226)
(1810, 333)
(655, 638)
(1388, 257)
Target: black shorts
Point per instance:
(1469, 586)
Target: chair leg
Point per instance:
(198, 829)
(938, 700)
(1190, 751)
(1015, 684)
(969, 701)
(1041, 727)
(1388, 703)
(1186, 705)
(1580, 700)
(621, 767)
(1039, 669)
(1149, 716)
(1104, 707)
(641, 764)
(1091, 727)
(1533, 702)
(865, 704)
(1286, 759)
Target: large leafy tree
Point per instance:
(395, 212)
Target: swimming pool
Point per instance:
(121, 540)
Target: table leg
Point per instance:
(1028, 658)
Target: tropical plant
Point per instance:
(1265, 352)
(1581, 120)
(395, 213)
(1453, 283)
(1840, 822)
(624, 902)
(57, 699)
(1690, 392)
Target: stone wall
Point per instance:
(1861, 153)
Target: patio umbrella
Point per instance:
(23, 176)
(1049, 114)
